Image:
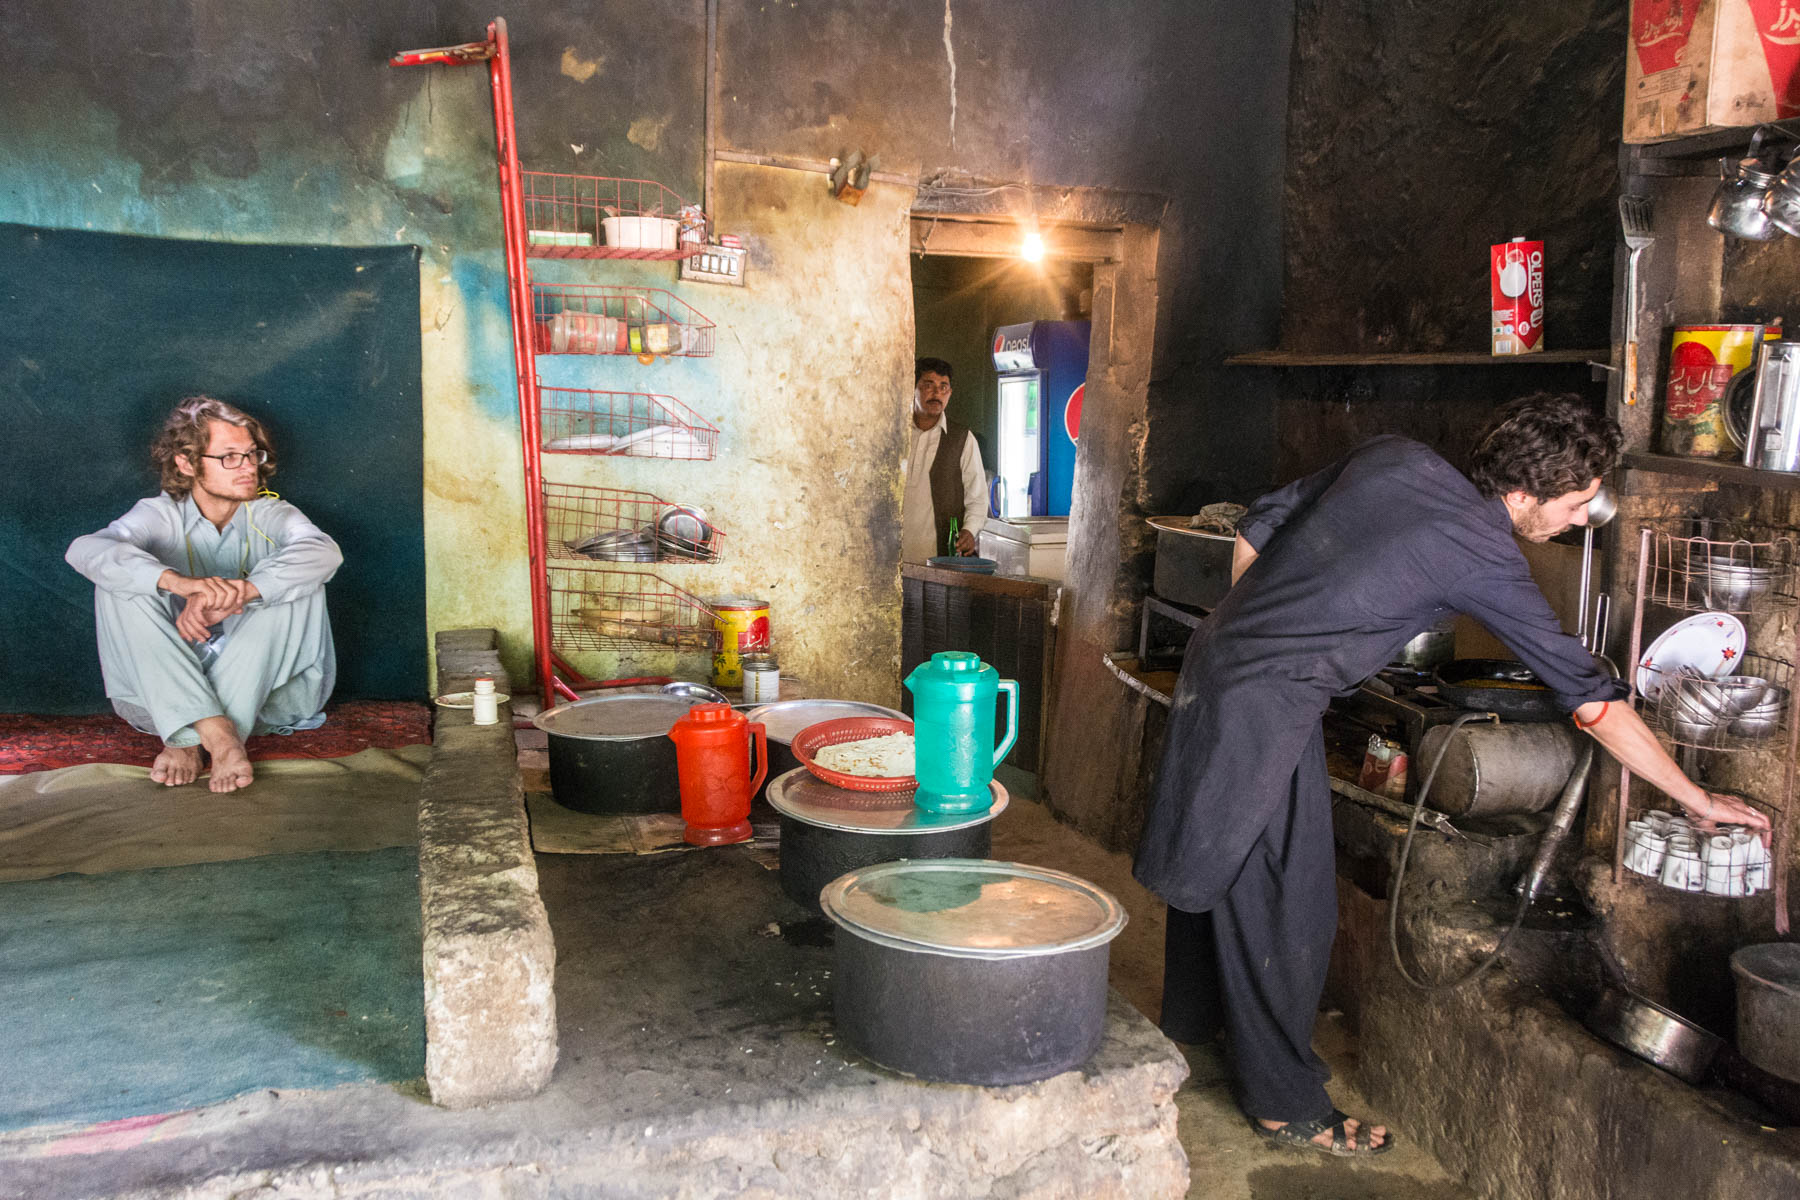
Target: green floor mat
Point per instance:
(150, 991)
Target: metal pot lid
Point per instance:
(784, 719)
(802, 796)
(616, 718)
(972, 908)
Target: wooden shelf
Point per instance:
(1720, 143)
(1716, 469)
(1452, 358)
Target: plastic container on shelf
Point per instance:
(594, 216)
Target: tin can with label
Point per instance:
(743, 625)
(1703, 359)
(1516, 292)
(762, 678)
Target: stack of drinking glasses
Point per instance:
(1730, 861)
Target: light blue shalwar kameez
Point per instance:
(269, 668)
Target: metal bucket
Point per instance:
(1768, 1006)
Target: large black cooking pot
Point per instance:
(827, 830)
(784, 719)
(1497, 685)
(968, 971)
(612, 754)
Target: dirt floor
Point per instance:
(1226, 1160)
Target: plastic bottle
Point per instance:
(486, 704)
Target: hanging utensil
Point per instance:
(1601, 509)
(1634, 216)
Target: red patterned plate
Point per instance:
(814, 738)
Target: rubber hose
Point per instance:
(1400, 878)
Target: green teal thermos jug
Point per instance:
(953, 730)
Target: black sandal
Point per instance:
(1300, 1135)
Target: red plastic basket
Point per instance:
(814, 738)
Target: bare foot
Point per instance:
(176, 765)
(230, 763)
(1378, 1135)
(230, 769)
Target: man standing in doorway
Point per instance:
(1332, 575)
(210, 600)
(945, 485)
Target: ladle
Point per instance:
(1600, 510)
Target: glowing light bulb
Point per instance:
(1033, 248)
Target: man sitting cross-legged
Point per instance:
(210, 600)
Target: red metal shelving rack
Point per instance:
(566, 217)
(563, 203)
(634, 424)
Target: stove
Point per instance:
(1400, 704)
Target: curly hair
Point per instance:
(186, 432)
(1545, 445)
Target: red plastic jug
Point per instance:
(712, 764)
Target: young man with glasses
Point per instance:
(209, 600)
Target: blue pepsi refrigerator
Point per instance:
(1043, 375)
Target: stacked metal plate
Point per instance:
(618, 545)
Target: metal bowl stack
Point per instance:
(1700, 711)
(1763, 717)
(1731, 583)
(618, 545)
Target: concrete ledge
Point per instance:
(1507, 1089)
(490, 963)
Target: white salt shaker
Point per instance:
(486, 705)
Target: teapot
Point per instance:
(1740, 205)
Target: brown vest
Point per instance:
(947, 499)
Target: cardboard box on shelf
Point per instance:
(1699, 65)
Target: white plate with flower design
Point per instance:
(1709, 644)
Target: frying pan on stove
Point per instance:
(1497, 685)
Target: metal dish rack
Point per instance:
(598, 608)
(601, 318)
(576, 514)
(567, 212)
(634, 424)
(565, 215)
(1682, 574)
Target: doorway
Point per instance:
(958, 303)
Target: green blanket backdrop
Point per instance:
(100, 335)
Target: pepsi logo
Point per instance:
(1072, 412)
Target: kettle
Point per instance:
(954, 699)
(1740, 205)
(712, 767)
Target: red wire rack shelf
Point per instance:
(590, 216)
(592, 608)
(598, 524)
(598, 318)
(635, 424)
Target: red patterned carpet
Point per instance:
(34, 743)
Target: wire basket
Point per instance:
(1738, 712)
(596, 318)
(1710, 574)
(635, 424)
(597, 609)
(1665, 848)
(591, 216)
(596, 524)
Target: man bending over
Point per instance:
(210, 600)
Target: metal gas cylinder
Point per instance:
(1511, 767)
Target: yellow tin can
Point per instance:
(743, 625)
(1702, 361)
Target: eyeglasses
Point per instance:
(236, 458)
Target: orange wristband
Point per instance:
(1606, 707)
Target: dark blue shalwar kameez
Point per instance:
(1353, 562)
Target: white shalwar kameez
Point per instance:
(269, 668)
